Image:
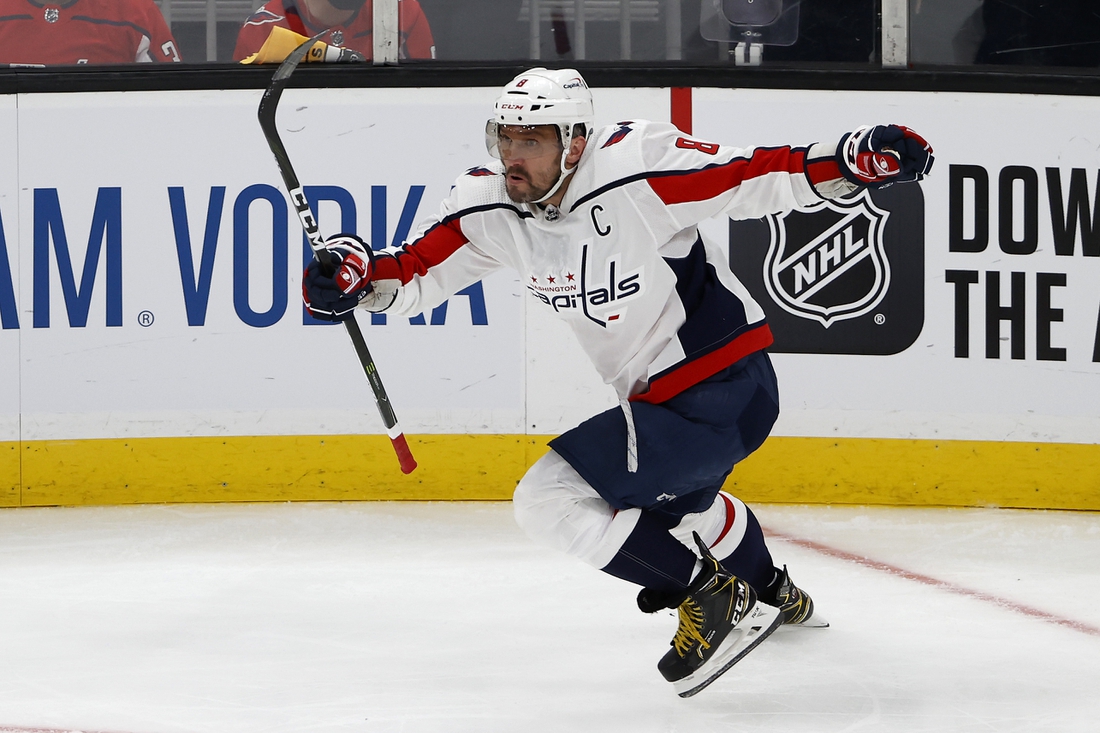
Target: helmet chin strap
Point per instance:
(565, 173)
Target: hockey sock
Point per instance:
(751, 561)
(653, 558)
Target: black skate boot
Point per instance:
(720, 622)
(795, 604)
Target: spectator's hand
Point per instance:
(876, 157)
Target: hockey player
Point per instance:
(601, 224)
(34, 32)
(350, 24)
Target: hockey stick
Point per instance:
(266, 113)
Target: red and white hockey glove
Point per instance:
(879, 156)
(334, 297)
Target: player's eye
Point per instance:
(527, 147)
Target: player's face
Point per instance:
(532, 160)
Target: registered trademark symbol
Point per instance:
(145, 319)
(879, 319)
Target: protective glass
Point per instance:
(771, 22)
(501, 144)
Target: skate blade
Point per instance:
(813, 622)
(758, 624)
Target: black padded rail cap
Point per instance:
(169, 77)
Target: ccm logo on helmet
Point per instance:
(511, 106)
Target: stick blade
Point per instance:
(270, 100)
(295, 57)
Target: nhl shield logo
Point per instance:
(843, 277)
(52, 15)
(829, 263)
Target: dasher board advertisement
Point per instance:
(149, 291)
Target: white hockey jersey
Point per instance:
(652, 302)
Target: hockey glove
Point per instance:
(879, 156)
(335, 296)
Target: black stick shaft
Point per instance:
(266, 113)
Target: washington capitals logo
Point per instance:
(597, 296)
(828, 264)
(263, 17)
(479, 171)
(618, 135)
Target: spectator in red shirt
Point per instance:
(36, 32)
(349, 22)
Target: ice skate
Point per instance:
(795, 604)
(720, 622)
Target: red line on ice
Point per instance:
(936, 583)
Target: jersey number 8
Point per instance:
(708, 148)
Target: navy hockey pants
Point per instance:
(687, 445)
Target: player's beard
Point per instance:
(533, 191)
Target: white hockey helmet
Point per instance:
(539, 96)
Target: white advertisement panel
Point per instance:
(152, 272)
(9, 264)
(165, 279)
(995, 335)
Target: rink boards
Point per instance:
(154, 348)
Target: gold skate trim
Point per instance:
(691, 619)
(487, 467)
(749, 638)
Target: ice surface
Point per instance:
(444, 618)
